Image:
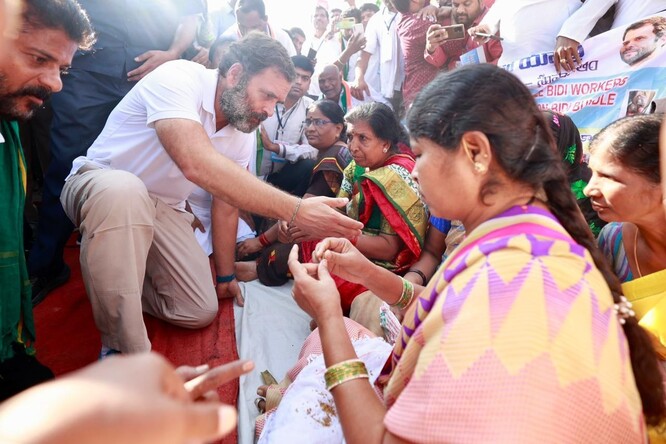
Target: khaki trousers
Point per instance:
(137, 254)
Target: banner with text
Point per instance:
(623, 73)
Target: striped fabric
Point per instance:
(610, 243)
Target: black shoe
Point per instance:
(42, 286)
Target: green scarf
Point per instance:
(16, 321)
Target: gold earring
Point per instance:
(479, 167)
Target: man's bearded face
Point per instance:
(236, 107)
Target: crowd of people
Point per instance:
(471, 275)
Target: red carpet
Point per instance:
(68, 340)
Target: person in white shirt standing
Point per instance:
(251, 16)
(329, 46)
(170, 134)
(527, 26)
(381, 65)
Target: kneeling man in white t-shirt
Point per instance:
(181, 126)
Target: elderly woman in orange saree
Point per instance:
(381, 194)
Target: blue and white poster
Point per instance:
(623, 72)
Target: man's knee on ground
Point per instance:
(199, 317)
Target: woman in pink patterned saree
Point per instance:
(521, 336)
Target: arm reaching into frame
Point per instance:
(190, 148)
(138, 398)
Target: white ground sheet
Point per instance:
(270, 330)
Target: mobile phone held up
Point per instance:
(358, 28)
(454, 32)
(346, 23)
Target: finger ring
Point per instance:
(257, 401)
(562, 60)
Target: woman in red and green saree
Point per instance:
(381, 194)
(522, 334)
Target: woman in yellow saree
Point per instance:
(625, 190)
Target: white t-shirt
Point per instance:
(385, 72)
(287, 129)
(528, 26)
(178, 89)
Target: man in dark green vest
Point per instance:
(49, 34)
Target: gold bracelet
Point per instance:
(406, 296)
(293, 216)
(345, 371)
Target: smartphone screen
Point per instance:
(312, 54)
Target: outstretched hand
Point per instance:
(314, 288)
(203, 381)
(317, 217)
(138, 398)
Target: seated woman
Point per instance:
(570, 147)
(325, 131)
(515, 339)
(381, 194)
(625, 190)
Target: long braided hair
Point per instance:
(491, 100)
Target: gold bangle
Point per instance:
(406, 296)
(345, 371)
